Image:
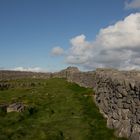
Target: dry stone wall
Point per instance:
(72, 74)
(117, 95)
(9, 75)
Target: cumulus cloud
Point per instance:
(116, 46)
(124, 34)
(32, 69)
(57, 51)
(79, 51)
(133, 4)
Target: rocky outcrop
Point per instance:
(117, 93)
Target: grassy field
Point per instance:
(56, 110)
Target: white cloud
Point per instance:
(57, 51)
(124, 33)
(116, 46)
(32, 69)
(79, 51)
(134, 4)
(78, 40)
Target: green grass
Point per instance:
(56, 110)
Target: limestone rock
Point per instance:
(122, 91)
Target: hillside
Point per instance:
(54, 110)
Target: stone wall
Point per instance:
(72, 74)
(10, 75)
(117, 94)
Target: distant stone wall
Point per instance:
(117, 94)
(84, 79)
(10, 75)
(72, 74)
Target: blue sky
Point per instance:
(30, 29)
